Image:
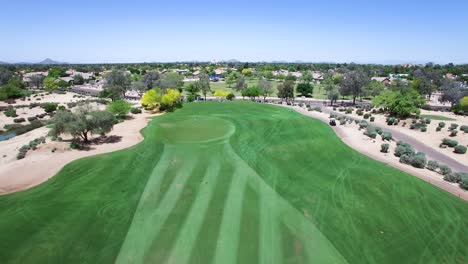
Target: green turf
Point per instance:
(438, 117)
(233, 182)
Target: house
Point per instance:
(296, 74)
(317, 76)
(384, 80)
(86, 89)
(196, 73)
(450, 76)
(181, 71)
(398, 76)
(219, 71)
(66, 79)
(27, 76)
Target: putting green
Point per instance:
(233, 182)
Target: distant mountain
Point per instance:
(232, 61)
(50, 62)
(3, 63)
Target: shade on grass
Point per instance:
(233, 182)
(438, 117)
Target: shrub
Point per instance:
(21, 155)
(384, 148)
(135, 110)
(318, 109)
(371, 134)
(464, 128)
(372, 119)
(464, 181)
(460, 149)
(366, 116)
(453, 126)
(417, 160)
(19, 120)
(386, 136)
(441, 124)
(432, 165)
(32, 118)
(449, 142)
(454, 177)
(403, 148)
(391, 121)
(10, 112)
(427, 120)
(412, 126)
(359, 112)
(49, 107)
(342, 121)
(438, 129)
(378, 130)
(349, 110)
(453, 133)
(119, 108)
(363, 124)
(444, 169)
(230, 97)
(332, 116)
(423, 129)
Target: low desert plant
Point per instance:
(453, 133)
(384, 148)
(135, 110)
(460, 149)
(427, 121)
(10, 112)
(444, 169)
(386, 136)
(403, 148)
(432, 165)
(441, 124)
(19, 120)
(372, 119)
(453, 126)
(423, 129)
(449, 142)
(464, 128)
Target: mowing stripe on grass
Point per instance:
(149, 217)
(187, 238)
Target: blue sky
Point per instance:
(145, 31)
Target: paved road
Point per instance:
(431, 154)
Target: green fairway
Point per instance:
(438, 117)
(233, 182)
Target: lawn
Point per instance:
(233, 182)
(438, 117)
(318, 93)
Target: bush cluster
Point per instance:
(441, 124)
(135, 110)
(460, 149)
(464, 128)
(432, 165)
(417, 160)
(449, 142)
(403, 148)
(19, 120)
(384, 148)
(10, 112)
(31, 146)
(386, 136)
(453, 127)
(453, 133)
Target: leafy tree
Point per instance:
(423, 85)
(203, 84)
(247, 72)
(241, 84)
(11, 89)
(221, 94)
(305, 89)
(464, 103)
(50, 84)
(139, 87)
(307, 77)
(290, 78)
(452, 91)
(120, 108)
(151, 99)
(352, 84)
(56, 72)
(150, 79)
(266, 87)
(333, 94)
(5, 76)
(63, 84)
(399, 85)
(171, 80)
(232, 79)
(286, 90)
(192, 89)
(251, 92)
(117, 83)
(36, 81)
(78, 79)
(400, 103)
(50, 107)
(85, 120)
(374, 88)
(170, 99)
